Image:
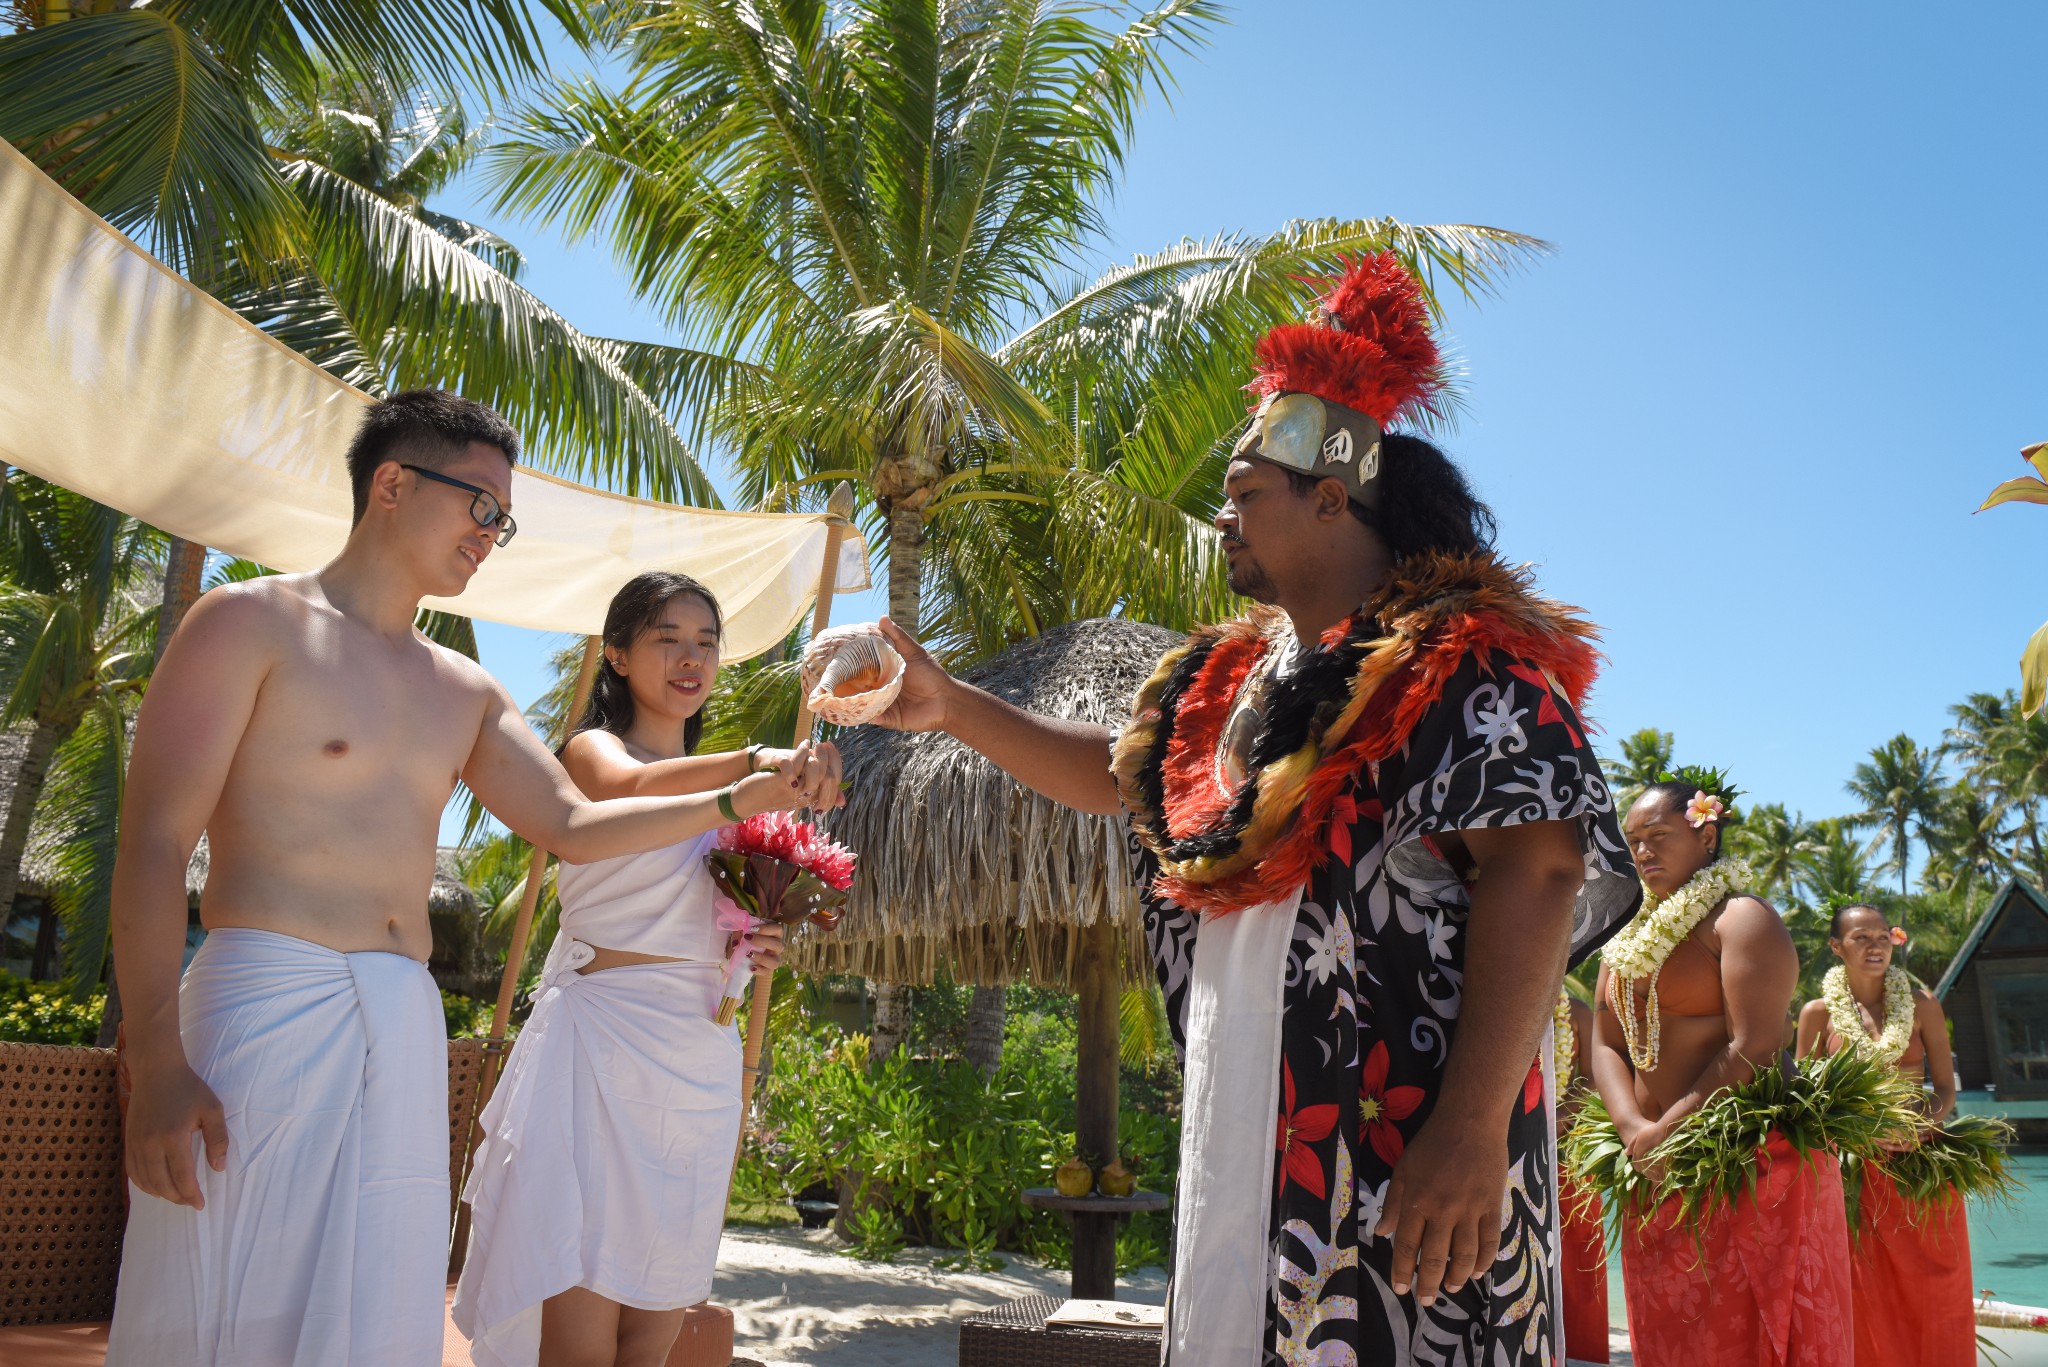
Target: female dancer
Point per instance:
(1695, 995)
(1909, 1260)
(600, 1187)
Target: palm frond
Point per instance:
(442, 315)
(78, 824)
(133, 113)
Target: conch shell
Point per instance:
(851, 674)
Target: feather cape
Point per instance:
(1351, 703)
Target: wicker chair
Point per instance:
(1015, 1335)
(63, 1201)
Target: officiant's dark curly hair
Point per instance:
(634, 608)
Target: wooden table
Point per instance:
(1094, 1219)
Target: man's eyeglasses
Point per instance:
(484, 508)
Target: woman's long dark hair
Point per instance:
(636, 607)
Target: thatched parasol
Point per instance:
(961, 864)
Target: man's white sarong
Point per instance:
(607, 1151)
(325, 1242)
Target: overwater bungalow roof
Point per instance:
(2014, 887)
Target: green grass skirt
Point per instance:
(1846, 1104)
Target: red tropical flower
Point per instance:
(1298, 1130)
(1380, 1106)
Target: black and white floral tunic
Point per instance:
(1374, 981)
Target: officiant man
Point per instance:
(1370, 835)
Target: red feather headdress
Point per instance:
(1372, 352)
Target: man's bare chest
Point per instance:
(337, 724)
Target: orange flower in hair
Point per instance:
(1703, 808)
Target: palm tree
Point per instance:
(1644, 759)
(393, 293)
(1967, 845)
(153, 114)
(855, 204)
(77, 636)
(1774, 845)
(1900, 789)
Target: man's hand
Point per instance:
(168, 1104)
(921, 706)
(801, 781)
(1444, 1204)
(814, 771)
(1646, 1138)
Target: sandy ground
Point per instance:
(798, 1302)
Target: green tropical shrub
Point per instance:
(928, 1150)
(41, 1013)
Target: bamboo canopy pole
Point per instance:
(840, 506)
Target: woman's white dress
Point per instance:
(608, 1145)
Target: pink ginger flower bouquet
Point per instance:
(773, 867)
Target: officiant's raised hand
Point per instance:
(922, 705)
(1065, 759)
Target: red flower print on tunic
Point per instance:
(1298, 1130)
(1380, 1106)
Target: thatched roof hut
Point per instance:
(962, 865)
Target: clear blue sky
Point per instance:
(1791, 335)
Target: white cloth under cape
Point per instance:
(324, 1243)
(607, 1151)
(1216, 1305)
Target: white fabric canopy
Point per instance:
(122, 381)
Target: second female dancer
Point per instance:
(599, 1190)
(1910, 1260)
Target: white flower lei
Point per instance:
(1847, 1016)
(1639, 951)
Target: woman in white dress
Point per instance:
(599, 1190)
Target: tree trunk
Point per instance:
(182, 574)
(183, 571)
(42, 964)
(892, 1021)
(985, 1016)
(21, 809)
(906, 568)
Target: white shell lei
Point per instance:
(1847, 1018)
(1639, 951)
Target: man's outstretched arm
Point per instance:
(523, 785)
(1067, 761)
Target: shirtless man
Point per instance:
(305, 725)
(1765, 1279)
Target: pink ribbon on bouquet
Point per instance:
(733, 917)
